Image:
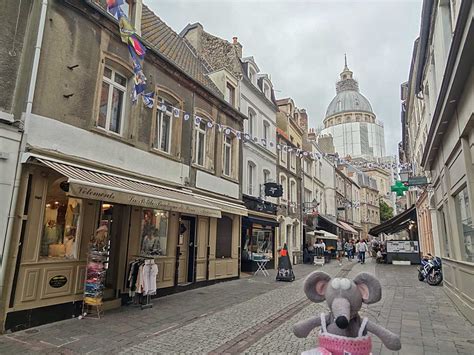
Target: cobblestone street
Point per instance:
(255, 315)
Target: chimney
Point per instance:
(237, 46)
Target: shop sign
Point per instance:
(402, 246)
(126, 198)
(273, 189)
(57, 281)
(417, 181)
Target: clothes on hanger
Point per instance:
(142, 277)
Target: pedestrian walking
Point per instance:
(348, 249)
(357, 250)
(362, 250)
(339, 251)
(353, 248)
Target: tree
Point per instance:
(386, 212)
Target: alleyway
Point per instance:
(255, 315)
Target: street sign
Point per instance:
(417, 181)
(399, 188)
(273, 189)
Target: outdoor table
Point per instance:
(261, 266)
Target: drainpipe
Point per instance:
(16, 187)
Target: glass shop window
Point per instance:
(61, 223)
(154, 232)
(258, 243)
(464, 219)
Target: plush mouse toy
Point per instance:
(343, 331)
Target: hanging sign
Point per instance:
(417, 181)
(273, 189)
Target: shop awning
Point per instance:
(225, 206)
(397, 223)
(328, 220)
(323, 234)
(100, 185)
(348, 227)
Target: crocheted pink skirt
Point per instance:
(340, 345)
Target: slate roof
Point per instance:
(175, 48)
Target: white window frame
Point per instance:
(266, 175)
(293, 192)
(266, 131)
(251, 114)
(230, 91)
(284, 183)
(227, 144)
(159, 122)
(112, 84)
(200, 131)
(251, 178)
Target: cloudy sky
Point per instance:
(301, 44)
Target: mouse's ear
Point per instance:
(315, 286)
(369, 287)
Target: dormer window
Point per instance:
(266, 91)
(252, 76)
(230, 94)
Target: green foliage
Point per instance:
(386, 212)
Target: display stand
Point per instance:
(96, 269)
(138, 298)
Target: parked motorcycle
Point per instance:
(430, 270)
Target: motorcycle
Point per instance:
(430, 270)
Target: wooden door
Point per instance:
(183, 245)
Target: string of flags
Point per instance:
(137, 54)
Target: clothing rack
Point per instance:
(140, 299)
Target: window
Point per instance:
(292, 191)
(288, 233)
(464, 220)
(163, 127)
(112, 102)
(283, 156)
(308, 197)
(250, 178)
(266, 91)
(224, 237)
(227, 156)
(61, 223)
(154, 232)
(230, 94)
(284, 185)
(251, 116)
(201, 143)
(293, 160)
(307, 166)
(266, 176)
(252, 76)
(266, 131)
(444, 231)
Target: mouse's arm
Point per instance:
(304, 327)
(389, 339)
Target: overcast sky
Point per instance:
(301, 44)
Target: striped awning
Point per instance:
(95, 184)
(348, 228)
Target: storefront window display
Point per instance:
(258, 242)
(463, 214)
(154, 232)
(61, 223)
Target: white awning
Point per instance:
(225, 206)
(95, 184)
(322, 234)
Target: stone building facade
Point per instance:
(152, 178)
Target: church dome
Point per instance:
(348, 98)
(348, 101)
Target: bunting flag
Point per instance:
(137, 53)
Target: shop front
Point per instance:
(70, 207)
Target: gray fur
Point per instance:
(344, 298)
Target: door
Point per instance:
(183, 251)
(113, 216)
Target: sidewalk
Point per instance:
(127, 326)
